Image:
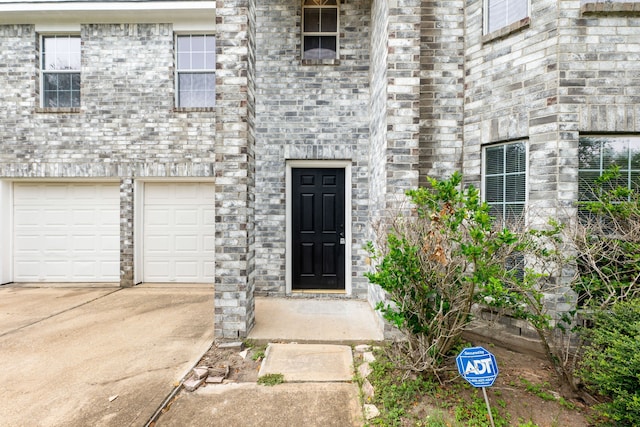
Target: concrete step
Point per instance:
(309, 362)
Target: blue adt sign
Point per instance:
(477, 366)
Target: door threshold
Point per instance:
(320, 291)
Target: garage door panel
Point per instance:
(84, 244)
(186, 243)
(158, 270)
(187, 269)
(57, 270)
(110, 245)
(209, 217)
(185, 217)
(55, 217)
(52, 243)
(209, 243)
(66, 231)
(27, 244)
(178, 227)
(156, 217)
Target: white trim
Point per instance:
(52, 12)
(193, 26)
(138, 228)
(316, 164)
(6, 227)
(57, 28)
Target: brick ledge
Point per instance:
(505, 31)
(594, 6)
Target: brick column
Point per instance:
(403, 98)
(126, 232)
(442, 86)
(234, 301)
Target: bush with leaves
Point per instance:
(611, 362)
(607, 242)
(436, 263)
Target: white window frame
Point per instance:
(179, 71)
(504, 203)
(335, 34)
(487, 18)
(44, 72)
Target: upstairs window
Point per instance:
(196, 71)
(502, 13)
(597, 154)
(60, 71)
(505, 180)
(320, 29)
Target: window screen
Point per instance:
(505, 187)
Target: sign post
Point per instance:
(479, 368)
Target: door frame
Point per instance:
(6, 231)
(318, 164)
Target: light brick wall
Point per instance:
(308, 112)
(378, 108)
(126, 125)
(125, 128)
(234, 302)
(403, 99)
(564, 73)
(441, 88)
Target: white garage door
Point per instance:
(66, 232)
(178, 232)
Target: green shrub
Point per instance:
(448, 255)
(611, 362)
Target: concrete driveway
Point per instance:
(99, 356)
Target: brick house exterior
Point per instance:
(417, 88)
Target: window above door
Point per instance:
(320, 25)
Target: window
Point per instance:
(598, 153)
(320, 29)
(60, 68)
(196, 76)
(505, 169)
(501, 13)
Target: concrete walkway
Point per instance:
(97, 356)
(318, 391)
(307, 320)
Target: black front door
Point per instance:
(318, 228)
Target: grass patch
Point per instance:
(271, 379)
(538, 390)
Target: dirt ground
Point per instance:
(509, 394)
(243, 367)
(526, 392)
